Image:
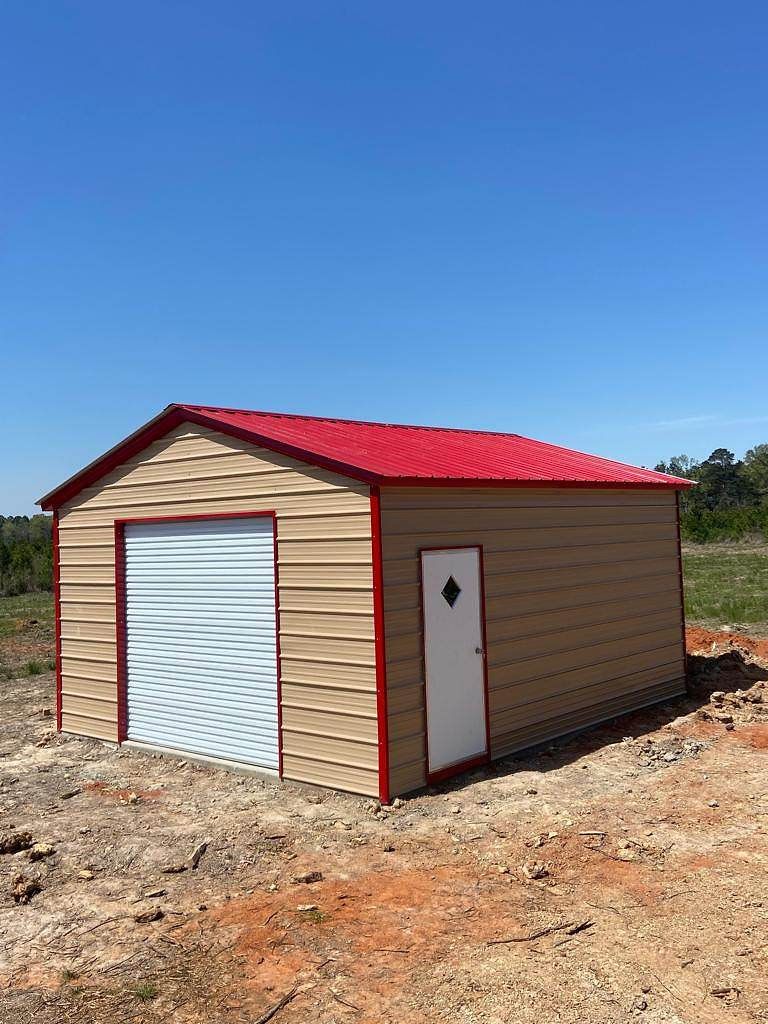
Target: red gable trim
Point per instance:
(156, 428)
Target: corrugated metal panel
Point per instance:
(375, 452)
(390, 451)
(201, 656)
(580, 618)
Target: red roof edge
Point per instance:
(157, 427)
(175, 414)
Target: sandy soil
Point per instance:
(620, 875)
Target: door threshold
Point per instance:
(239, 767)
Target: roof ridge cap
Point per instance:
(343, 419)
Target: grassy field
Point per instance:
(726, 585)
(26, 635)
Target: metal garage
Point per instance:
(365, 606)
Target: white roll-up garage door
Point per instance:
(201, 659)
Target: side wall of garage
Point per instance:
(325, 591)
(583, 607)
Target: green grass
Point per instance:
(726, 585)
(26, 635)
(16, 612)
(145, 991)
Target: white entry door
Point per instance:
(454, 656)
(200, 646)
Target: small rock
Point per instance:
(23, 888)
(15, 841)
(197, 853)
(397, 802)
(388, 848)
(147, 916)
(153, 894)
(40, 850)
(640, 1003)
(173, 869)
(70, 793)
(85, 875)
(306, 908)
(713, 803)
(202, 906)
(530, 791)
(307, 878)
(455, 810)
(535, 870)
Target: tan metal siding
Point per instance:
(582, 605)
(326, 591)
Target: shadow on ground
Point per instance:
(712, 679)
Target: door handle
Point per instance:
(479, 650)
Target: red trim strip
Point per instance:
(122, 673)
(584, 485)
(57, 615)
(122, 677)
(682, 589)
(478, 759)
(380, 645)
(456, 769)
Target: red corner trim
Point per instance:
(682, 588)
(380, 645)
(57, 615)
(479, 759)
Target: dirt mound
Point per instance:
(708, 641)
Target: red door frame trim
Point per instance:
(473, 762)
(122, 678)
(57, 613)
(380, 645)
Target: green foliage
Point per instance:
(756, 468)
(730, 500)
(26, 559)
(145, 991)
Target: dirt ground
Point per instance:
(619, 875)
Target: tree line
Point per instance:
(730, 501)
(26, 557)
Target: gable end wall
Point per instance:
(327, 667)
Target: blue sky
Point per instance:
(545, 218)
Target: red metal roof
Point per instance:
(389, 453)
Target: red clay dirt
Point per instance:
(709, 641)
(617, 875)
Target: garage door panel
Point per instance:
(201, 649)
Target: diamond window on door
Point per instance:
(451, 591)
